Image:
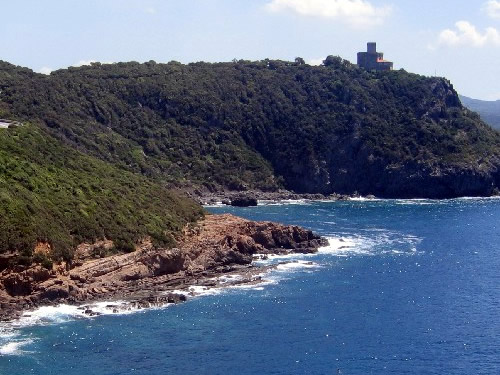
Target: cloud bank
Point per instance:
(357, 13)
(466, 34)
(492, 8)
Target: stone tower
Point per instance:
(373, 60)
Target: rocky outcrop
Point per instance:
(214, 245)
(244, 201)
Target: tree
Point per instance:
(333, 61)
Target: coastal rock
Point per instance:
(215, 245)
(228, 239)
(165, 262)
(20, 283)
(55, 292)
(244, 201)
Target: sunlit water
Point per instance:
(406, 287)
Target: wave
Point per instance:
(364, 199)
(275, 269)
(214, 205)
(197, 291)
(416, 202)
(297, 265)
(376, 242)
(14, 347)
(283, 202)
(345, 247)
(63, 313)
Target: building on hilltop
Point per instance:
(373, 60)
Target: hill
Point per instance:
(265, 125)
(56, 197)
(488, 110)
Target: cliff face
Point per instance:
(442, 151)
(265, 125)
(206, 249)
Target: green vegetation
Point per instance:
(52, 193)
(265, 125)
(101, 142)
(488, 110)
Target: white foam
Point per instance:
(416, 202)
(65, 313)
(375, 242)
(112, 308)
(203, 290)
(296, 265)
(228, 279)
(274, 258)
(383, 242)
(264, 281)
(344, 246)
(48, 315)
(283, 202)
(197, 291)
(14, 347)
(479, 198)
(362, 199)
(214, 205)
(6, 331)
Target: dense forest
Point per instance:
(102, 144)
(265, 125)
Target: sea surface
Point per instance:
(405, 287)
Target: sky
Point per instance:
(457, 39)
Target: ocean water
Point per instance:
(405, 287)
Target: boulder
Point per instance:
(244, 201)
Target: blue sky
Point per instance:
(458, 39)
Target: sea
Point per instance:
(404, 287)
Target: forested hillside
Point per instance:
(488, 110)
(265, 125)
(52, 194)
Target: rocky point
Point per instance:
(149, 275)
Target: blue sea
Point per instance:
(405, 287)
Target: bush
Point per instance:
(42, 259)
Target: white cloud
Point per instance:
(357, 13)
(492, 8)
(89, 62)
(83, 62)
(150, 10)
(466, 34)
(315, 61)
(45, 70)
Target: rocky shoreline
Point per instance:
(234, 197)
(217, 245)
